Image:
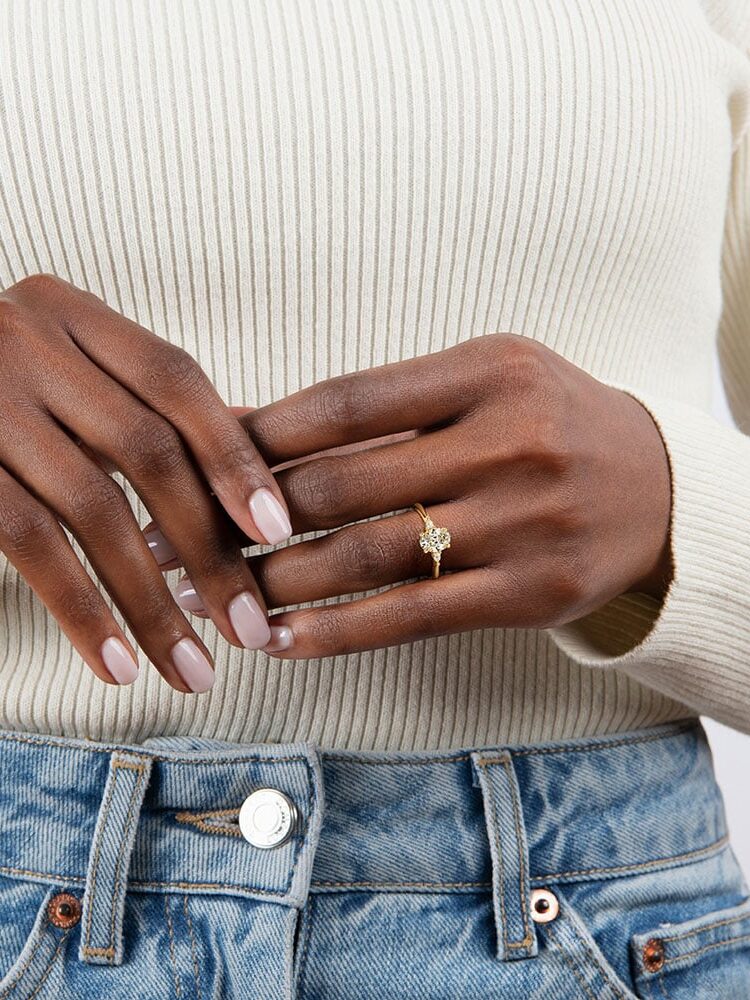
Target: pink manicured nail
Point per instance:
(119, 661)
(160, 548)
(249, 621)
(269, 516)
(192, 666)
(187, 597)
(281, 638)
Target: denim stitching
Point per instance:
(484, 762)
(193, 949)
(604, 745)
(247, 890)
(135, 800)
(603, 971)
(528, 938)
(20, 972)
(707, 947)
(95, 865)
(569, 962)
(553, 876)
(47, 971)
(401, 885)
(199, 820)
(109, 951)
(708, 927)
(42, 875)
(129, 765)
(717, 845)
(308, 934)
(109, 748)
(310, 803)
(601, 744)
(175, 973)
(498, 848)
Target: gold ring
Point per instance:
(432, 540)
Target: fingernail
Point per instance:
(160, 548)
(192, 666)
(269, 516)
(281, 638)
(187, 597)
(119, 661)
(249, 621)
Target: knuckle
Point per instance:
(12, 321)
(342, 401)
(546, 446)
(34, 287)
(324, 631)
(81, 605)
(235, 459)
(361, 558)
(524, 362)
(315, 491)
(155, 449)
(26, 530)
(216, 560)
(175, 371)
(95, 500)
(565, 588)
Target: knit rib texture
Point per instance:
(292, 189)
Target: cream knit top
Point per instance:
(292, 189)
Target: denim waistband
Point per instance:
(162, 816)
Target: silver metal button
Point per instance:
(544, 906)
(268, 818)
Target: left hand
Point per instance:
(554, 486)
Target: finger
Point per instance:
(95, 510)
(366, 556)
(457, 602)
(171, 382)
(361, 557)
(194, 530)
(168, 558)
(337, 489)
(406, 395)
(33, 541)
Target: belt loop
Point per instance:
(511, 891)
(109, 860)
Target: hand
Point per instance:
(555, 488)
(83, 390)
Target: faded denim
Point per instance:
(410, 875)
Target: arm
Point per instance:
(694, 644)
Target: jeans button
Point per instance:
(267, 818)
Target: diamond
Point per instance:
(435, 540)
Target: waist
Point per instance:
(579, 809)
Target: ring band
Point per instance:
(432, 540)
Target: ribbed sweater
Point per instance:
(292, 189)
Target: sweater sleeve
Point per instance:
(694, 645)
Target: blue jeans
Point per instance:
(594, 868)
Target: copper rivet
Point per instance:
(64, 910)
(544, 906)
(653, 954)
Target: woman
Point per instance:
(458, 268)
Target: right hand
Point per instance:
(82, 389)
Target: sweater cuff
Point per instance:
(694, 645)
